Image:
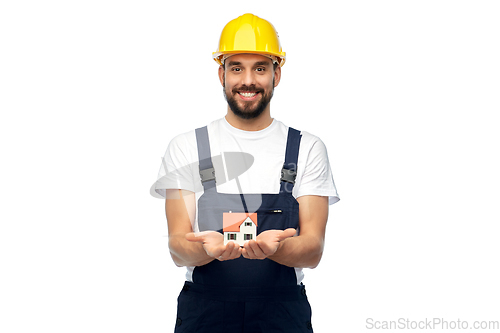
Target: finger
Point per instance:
(226, 253)
(268, 248)
(290, 232)
(250, 254)
(247, 252)
(193, 238)
(257, 250)
(236, 253)
(244, 253)
(232, 251)
(253, 250)
(214, 251)
(197, 236)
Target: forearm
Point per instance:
(186, 253)
(180, 211)
(306, 249)
(303, 251)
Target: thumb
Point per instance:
(290, 232)
(196, 236)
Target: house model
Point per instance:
(239, 227)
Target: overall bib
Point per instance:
(244, 295)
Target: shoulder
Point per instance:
(312, 142)
(188, 139)
(308, 141)
(183, 142)
(312, 152)
(309, 138)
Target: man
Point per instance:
(256, 286)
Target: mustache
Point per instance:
(244, 88)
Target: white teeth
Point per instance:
(247, 94)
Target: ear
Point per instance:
(222, 72)
(277, 76)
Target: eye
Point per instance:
(260, 69)
(236, 69)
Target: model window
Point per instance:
(248, 224)
(231, 236)
(247, 236)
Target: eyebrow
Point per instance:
(258, 63)
(262, 63)
(234, 63)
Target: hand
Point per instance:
(266, 244)
(213, 243)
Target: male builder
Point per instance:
(282, 192)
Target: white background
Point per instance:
(405, 95)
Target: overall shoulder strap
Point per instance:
(289, 170)
(207, 172)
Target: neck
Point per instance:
(256, 124)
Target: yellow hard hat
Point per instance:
(249, 34)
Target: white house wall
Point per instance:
(240, 235)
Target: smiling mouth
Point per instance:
(248, 96)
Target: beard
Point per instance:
(249, 110)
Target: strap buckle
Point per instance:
(288, 175)
(207, 174)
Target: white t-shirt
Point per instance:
(180, 168)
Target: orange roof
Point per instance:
(232, 221)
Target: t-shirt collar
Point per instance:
(249, 134)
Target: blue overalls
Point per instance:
(243, 295)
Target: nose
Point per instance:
(248, 78)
